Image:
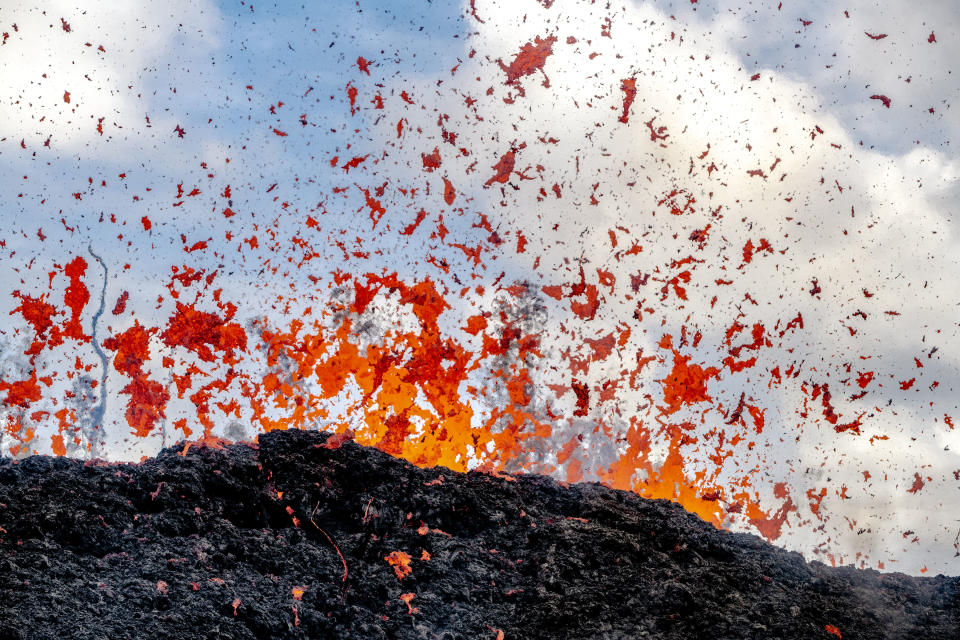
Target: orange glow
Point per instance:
(407, 599)
(400, 561)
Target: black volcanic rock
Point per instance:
(212, 544)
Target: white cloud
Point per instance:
(41, 62)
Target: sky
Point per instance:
(703, 251)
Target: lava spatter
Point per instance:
(661, 273)
(147, 398)
(530, 59)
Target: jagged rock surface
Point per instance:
(213, 543)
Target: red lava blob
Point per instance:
(918, 484)
(148, 398)
(39, 314)
(503, 168)
(832, 630)
(532, 57)
(449, 193)
(629, 88)
(75, 298)
(686, 384)
(21, 393)
(203, 333)
(431, 161)
(121, 304)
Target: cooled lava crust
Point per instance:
(305, 537)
